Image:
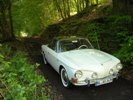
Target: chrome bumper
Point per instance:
(104, 80)
(97, 82)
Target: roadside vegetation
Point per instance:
(19, 79)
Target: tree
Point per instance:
(10, 19)
(87, 2)
(63, 7)
(123, 6)
(6, 23)
(80, 5)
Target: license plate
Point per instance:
(103, 81)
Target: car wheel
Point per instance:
(44, 59)
(64, 78)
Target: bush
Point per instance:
(125, 53)
(92, 32)
(122, 26)
(18, 78)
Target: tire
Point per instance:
(44, 59)
(64, 78)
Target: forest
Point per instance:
(106, 23)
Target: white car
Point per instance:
(78, 63)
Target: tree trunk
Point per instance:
(68, 8)
(59, 8)
(6, 22)
(87, 2)
(11, 21)
(3, 21)
(96, 2)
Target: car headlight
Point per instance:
(94, 75)
(78, 74)
(119, 66)
(111, 71)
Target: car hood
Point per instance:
(86, 58)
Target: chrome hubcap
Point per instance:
(64, 77)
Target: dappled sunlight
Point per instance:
(73, 13)
(99, 6)
(23, 34)
(94, 10)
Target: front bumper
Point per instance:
(96, 82)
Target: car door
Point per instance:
(52, 56)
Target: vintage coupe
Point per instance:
(78, 63)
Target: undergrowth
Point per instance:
(18, 78)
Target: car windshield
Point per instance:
(72, 44)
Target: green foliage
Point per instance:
(123, 20)
(91, 31)
(32, 17)
(26, 16)
(18, 78)
(121, 26)
(126, 53)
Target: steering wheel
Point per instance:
(82, 46)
